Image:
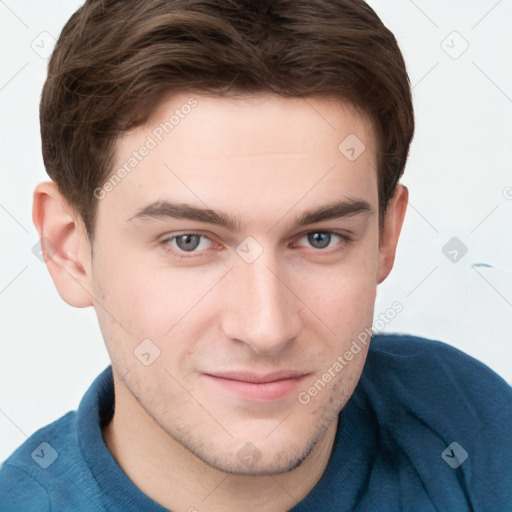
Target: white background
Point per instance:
(457, 175)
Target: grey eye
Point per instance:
(319, 240)
(188, 242)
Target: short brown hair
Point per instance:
(116, 60)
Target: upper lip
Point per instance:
(258, 378)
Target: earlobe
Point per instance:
(61, 236)
(391, 232)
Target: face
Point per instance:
(227, 333)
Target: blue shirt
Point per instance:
(428, 428)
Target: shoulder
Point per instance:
(20, 491)
(445, 409)
(25, 476)
(438, 375)
(421, 359)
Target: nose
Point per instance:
(262, 312)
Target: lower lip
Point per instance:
(265, 391)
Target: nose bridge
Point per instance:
(263, 310)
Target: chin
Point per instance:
(270, 465)
(266, 457)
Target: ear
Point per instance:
(64, 243)
(392, 226)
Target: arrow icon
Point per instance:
(454, 45)
(40, 456)
(454, 249)
(44, 455)
(454, 455)
(146, 352)
(351, 147)
(249, 454)
(249, 249)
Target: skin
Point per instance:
(264, 159)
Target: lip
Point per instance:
(258, 387)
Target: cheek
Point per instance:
(138, 294)
(344, 295)
(163, 304)
(148, 299)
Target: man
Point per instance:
(225, 193)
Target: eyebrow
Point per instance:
(163, 209)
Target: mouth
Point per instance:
(258, 387)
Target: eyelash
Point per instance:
(345, 239)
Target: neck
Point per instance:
(175, 478)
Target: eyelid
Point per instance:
(183, 254)
(344, 235)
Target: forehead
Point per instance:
(266, 151)
(255, 124)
